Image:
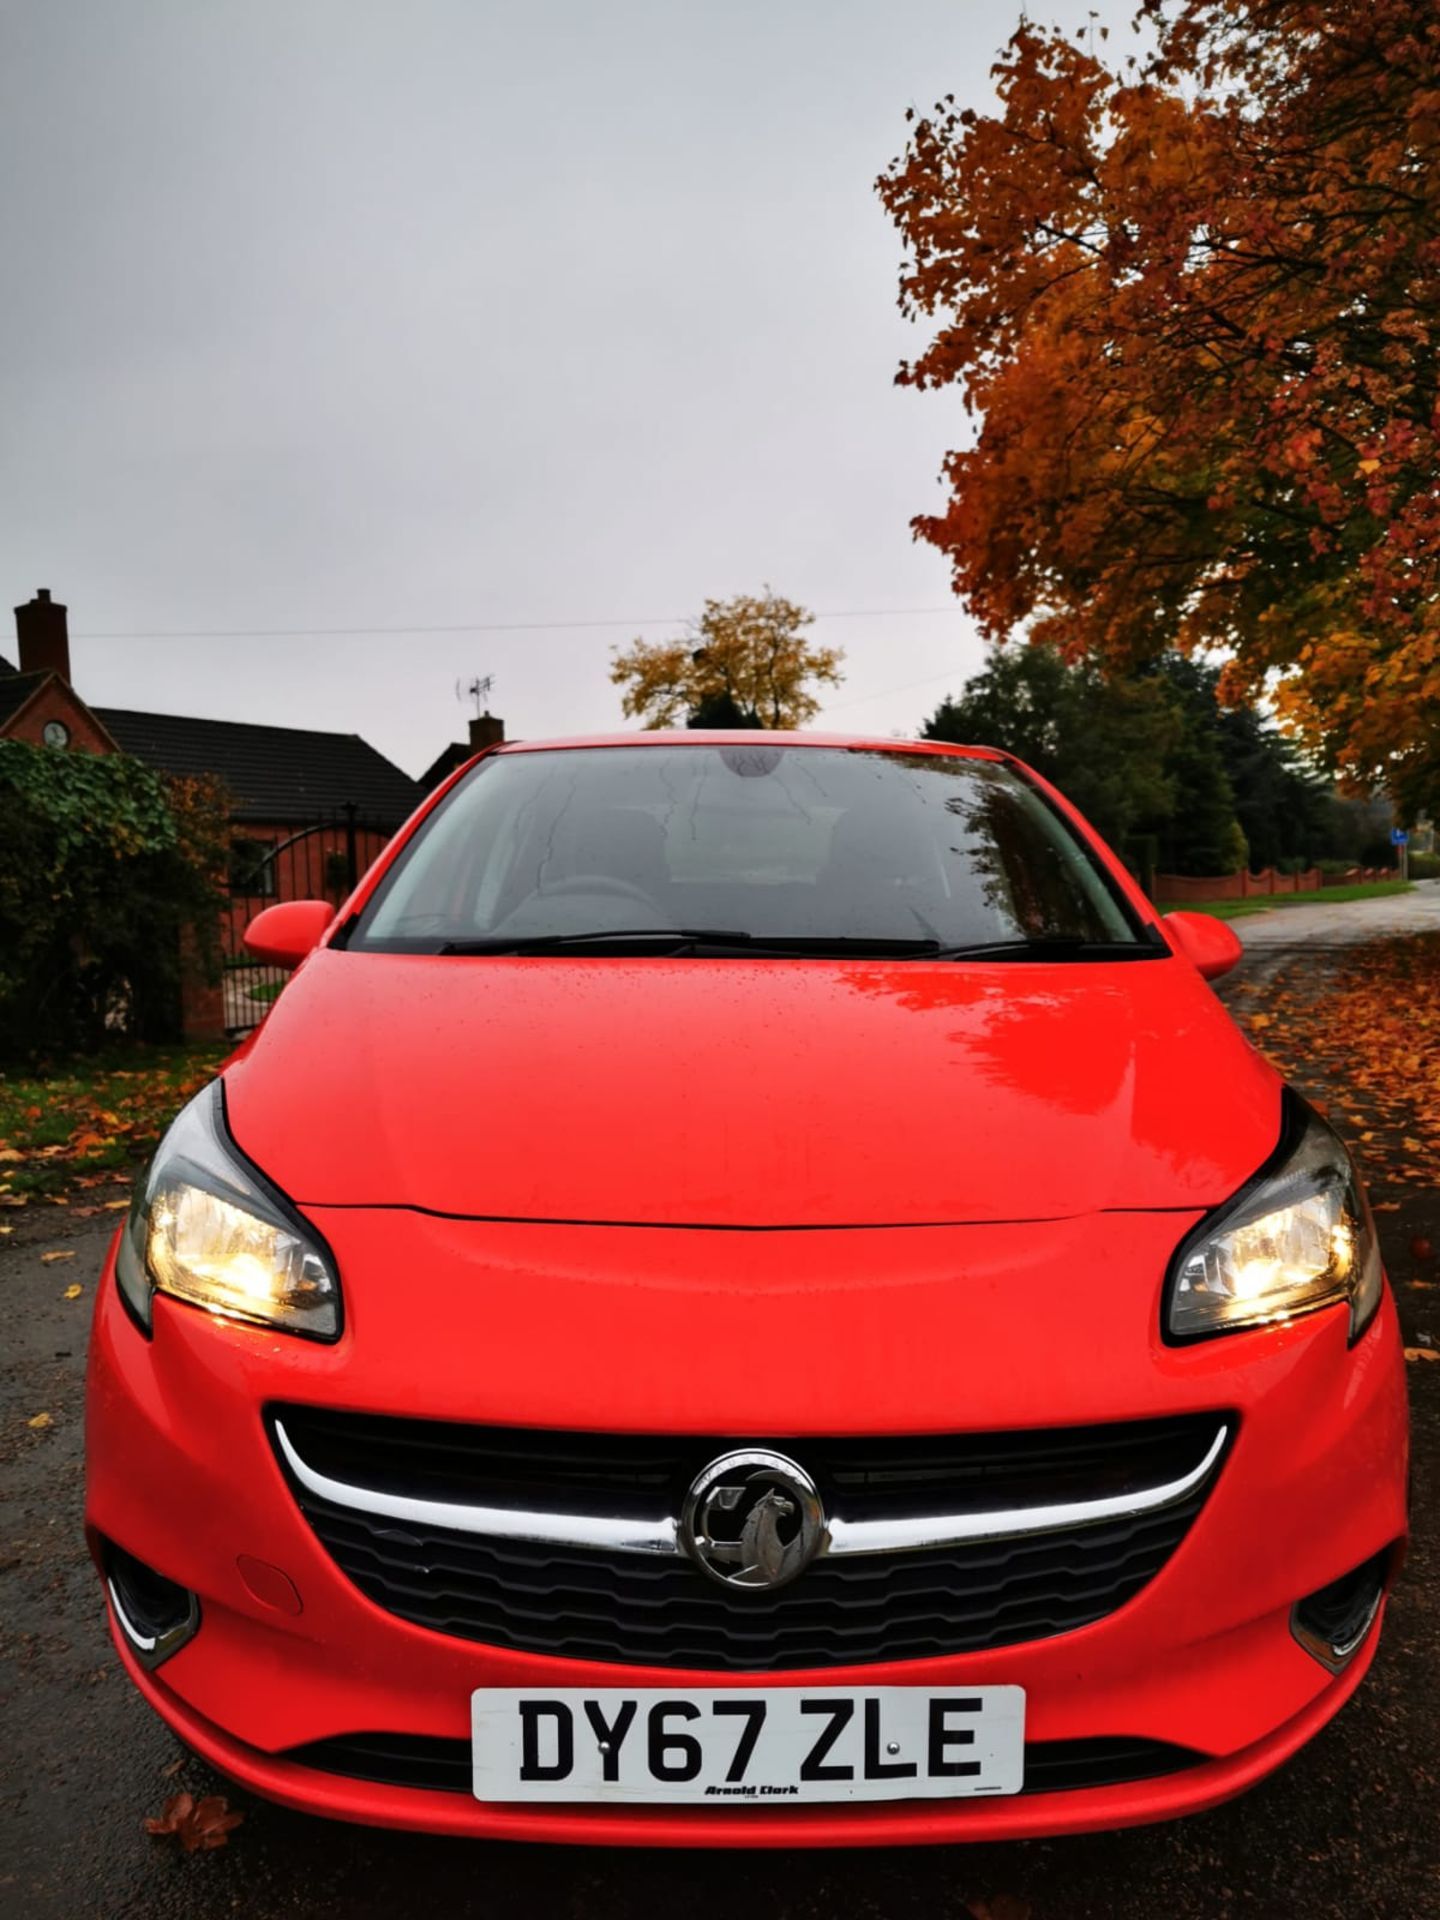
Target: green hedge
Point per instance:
(104, 866)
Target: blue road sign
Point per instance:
(1399, 836)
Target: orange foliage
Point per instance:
(748, 656)
(1193, 298)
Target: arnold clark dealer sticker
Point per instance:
(779, 1744)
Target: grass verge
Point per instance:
(86, 1123)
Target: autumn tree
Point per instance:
(746, 662)
(1191, 298)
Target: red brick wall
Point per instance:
(55, 701)
(1176, 889)
(202, 1001)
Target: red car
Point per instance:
(747, 1293)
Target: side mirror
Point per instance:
(1209, 944)
(285, 933)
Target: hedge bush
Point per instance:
(105, 869)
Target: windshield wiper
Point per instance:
(672, 937)
(1054, 947)
(702, 941)
(720, 942)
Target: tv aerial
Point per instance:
(477, 690)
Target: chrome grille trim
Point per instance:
(661, 1535)
(598, 1530)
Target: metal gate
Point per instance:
(320, 858)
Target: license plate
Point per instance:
(787, 1745)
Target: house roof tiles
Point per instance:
(273, 773)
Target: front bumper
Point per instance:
(182, 1474)
(1084, 1810)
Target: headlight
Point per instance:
(207, 1227)
(1297, 1237)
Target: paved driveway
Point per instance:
(1273, 940)
(1343, 923)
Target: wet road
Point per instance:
(1350, 1829)
(1284, 931)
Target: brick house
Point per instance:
(37, 702)
(309, 810)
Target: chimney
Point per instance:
(44, 636)
(485, 731)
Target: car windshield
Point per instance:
(714, 846)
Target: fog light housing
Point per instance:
(156, 1616)
(1332, 1622)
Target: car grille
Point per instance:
(425, 1760)
(654, 1610)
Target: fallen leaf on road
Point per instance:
(58, 1253)
(40, 1420)
(177, 1808)
(1004, 1906)
(198, 1825)
(116, 1206)
(10, 1155)
(1421, 1248)
(1364, 1031)
(1411, 1353)
(174, 1767)
(74, 1292)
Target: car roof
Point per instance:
(751, 737)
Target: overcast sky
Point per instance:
(330, 314)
